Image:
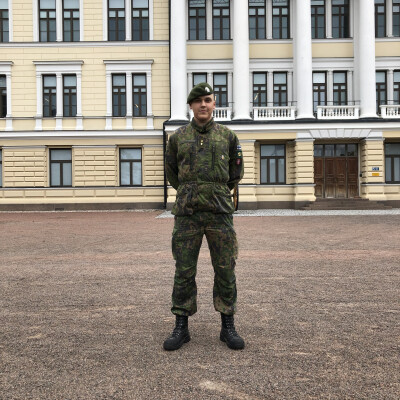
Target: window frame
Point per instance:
(315, 18)
(395, 18)
(342, 90)
(220, 19)
(197, 18)
(70, 109)
(120, 92)
(396, 88)
(343, 16)
(195, 74)
(280, 17)
(259, 92)
(144, 34)
(391, 157)
(277, 89)
(3, 98)
(131, 161)
(5, 32)
(259, 34)
(117, 20)
(277, 170)
(71, 22)
(47, 19)
(377, 18)
(142, 93)
(220, 90)
(52, 97)
(61, 163)
(381, 88)
(317, 89)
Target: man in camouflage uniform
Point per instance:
(204, 162)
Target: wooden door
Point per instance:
(340, 178)
(352, 177)
(330, 179)
(319, 176)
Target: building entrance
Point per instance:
(336, 170)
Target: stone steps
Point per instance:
(346, 204)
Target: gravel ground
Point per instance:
(85, 297)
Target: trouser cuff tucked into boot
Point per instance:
(179, 335)
(228, 333)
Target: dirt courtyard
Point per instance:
(85, 307)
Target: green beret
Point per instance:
(202, 89)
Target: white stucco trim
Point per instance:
(5, 69)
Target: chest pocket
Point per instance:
(186, 152)
(220, 154)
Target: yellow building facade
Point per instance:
(91, 90)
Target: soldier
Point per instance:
(203, 163)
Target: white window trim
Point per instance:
(5, 69)
(59, 21)
(58, 68)
(128, 20)
(129, 67)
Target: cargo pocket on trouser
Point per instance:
(185, 249)
(223, 247)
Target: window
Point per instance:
(199, 78)
(3, 96)
(49, 96)
(130, 166)
(71, 21)
(60, 167)
(335, 150)
(273, 164)
(339, 88)
(318, 19)
(319, 89)
(260, 89)
(396, 17)
(4, 22)
(257, 19)
(280, 89)
(221, 20)
(47, 21)
(220, 90)
(140, 20)
(392, 162)
(381, 89)
(340, 19)
(69, 96)
(396, 87)
(280, 19)
(380, 18)
(139, 95)
(197, 19)
(118, 96)
(116, 20)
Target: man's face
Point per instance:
(203, 108)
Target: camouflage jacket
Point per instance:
(203, 164)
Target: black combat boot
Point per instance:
(228, 333)
(179, 335)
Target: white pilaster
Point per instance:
(109, 101)
(364, 44)
(59, 20)
(128, 79)
(105, 20)
(241, 65)
(350, 96)
(178, 60)
(209, 19)
(59, 101)
(230, 88)
(149, 99)
(389, 18)
(10, 21)
(81, 22)
(128, 20)
(303, 59)
(269, 19)
(390, 91)
(35, 17)
(270, 88)
(329, 87)
(290, 87)
(79, 120)
(328, 12)
(39, 102)
(209, 79)
(9, 104)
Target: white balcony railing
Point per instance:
(390, 111)
(338, 112)
(272, 113)
(219, 114)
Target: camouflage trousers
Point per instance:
(187, 237)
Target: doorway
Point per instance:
(336, 170)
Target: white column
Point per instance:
(329, 88)
(189, 80)
(241, 65)
(269, 19)
(39, 102)
(389, 18)
(79, 121)
(350, 96)
(230, 88)
(390, 91)
(128, 20)
(328, 12)
(149, 99)
(270, 89)
(303, 59)
(129, 105)
(59, 20)
(109, 101)
(81, 22)
(290, 87)
(59, 102)
(178, 61)
(10, 21)
(9, 104)
(209, 19)
(364, 44)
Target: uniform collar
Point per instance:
(205, 128)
